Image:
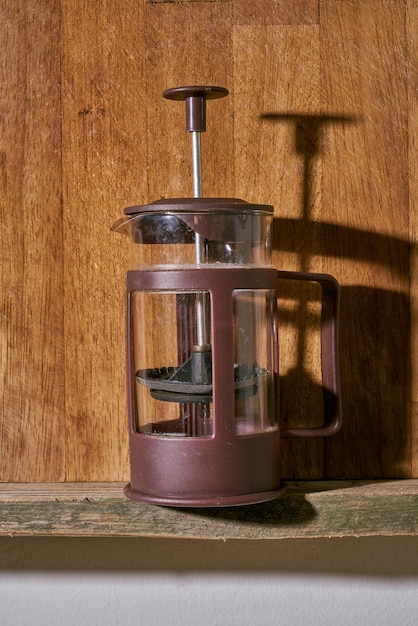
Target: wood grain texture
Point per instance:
(104, 158)
(272, 12)
(181, 1)
(364, 235)
(31, 331)
(412, 29)
(309, 510)
(321, 122)
(188, 44)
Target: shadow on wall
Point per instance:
(374, 327)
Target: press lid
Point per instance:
(172, 220)
(198, 205)
(215, 219)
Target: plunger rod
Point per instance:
(195, 100)
(201, 299)
(197, 164)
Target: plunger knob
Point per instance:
(195, 100)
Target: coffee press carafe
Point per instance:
(202, 344)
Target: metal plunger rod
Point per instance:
(203, 337)
(195, 100)
(197, 164)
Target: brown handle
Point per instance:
(329, 355)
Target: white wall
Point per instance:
(77, 582)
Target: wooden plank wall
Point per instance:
(32, 424)
(321, 121)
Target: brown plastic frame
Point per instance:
(224, 469)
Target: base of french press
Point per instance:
(209, 502)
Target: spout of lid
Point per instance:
(124, 225)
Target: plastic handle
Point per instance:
(329, 355)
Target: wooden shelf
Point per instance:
(309, 510)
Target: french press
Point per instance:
(202, 344)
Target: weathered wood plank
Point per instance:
(31, 321)
(364, 240)
(312, 510)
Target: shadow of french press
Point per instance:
(374, 336)
(286, 511)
